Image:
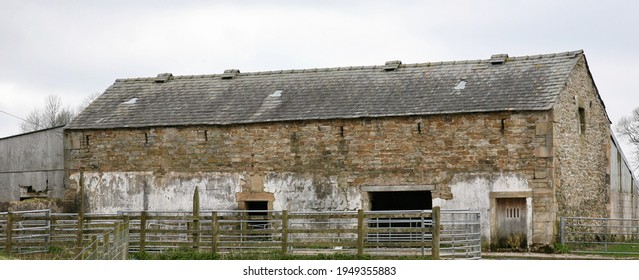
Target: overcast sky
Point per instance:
(77, 48)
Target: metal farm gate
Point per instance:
(600, 235)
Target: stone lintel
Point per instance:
(243, 197)
(397, 188)
(511, 194)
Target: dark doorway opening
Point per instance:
(398, 201)
(258, 214)
(403, 200)
(257, 207)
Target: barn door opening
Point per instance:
(398, 201)
(401, 200)
(511, 222)
(258, 214)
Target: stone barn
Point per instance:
(524, 140)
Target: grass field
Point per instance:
(186, 254)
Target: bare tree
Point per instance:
(32, 122)
(53, 114)
(87, 101)
(628, 128)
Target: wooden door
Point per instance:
(511, 223)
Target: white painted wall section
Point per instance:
(110, 192)
(472, 192)
(309, 193)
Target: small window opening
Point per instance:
(87, 140)
(503, 126)
(341, 131)
(512, 213)
(582, 120)
(146, 138)
(206, 135)
(419, 128)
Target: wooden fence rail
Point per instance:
(357, 232)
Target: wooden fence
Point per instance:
(356, 232)
(239, 231)
(112, 245)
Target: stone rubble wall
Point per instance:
(311, 165)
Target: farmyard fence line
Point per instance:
(600, 235)
(451, 234)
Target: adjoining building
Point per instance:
(525, 140)
(32, 166)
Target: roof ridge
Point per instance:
(362, 67)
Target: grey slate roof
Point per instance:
(520, 83)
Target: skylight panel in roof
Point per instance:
(277, 93)
(131, 101)
(461, 85)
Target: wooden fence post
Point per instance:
(81, 212)
(47, 238)
(436, 231)
(284, 232)
(361, 231)
(423, 228)
(80, 232)
(214, 232)
(196, 218)
(9, 233)
(107, 247)
(215, 228)
(94, 245)
(125, 229)
(142, 231)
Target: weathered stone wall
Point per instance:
(582, 159)
(408, 150)
(311, 165)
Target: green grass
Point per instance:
(625, 250)
(188, 254)
(559, 248)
